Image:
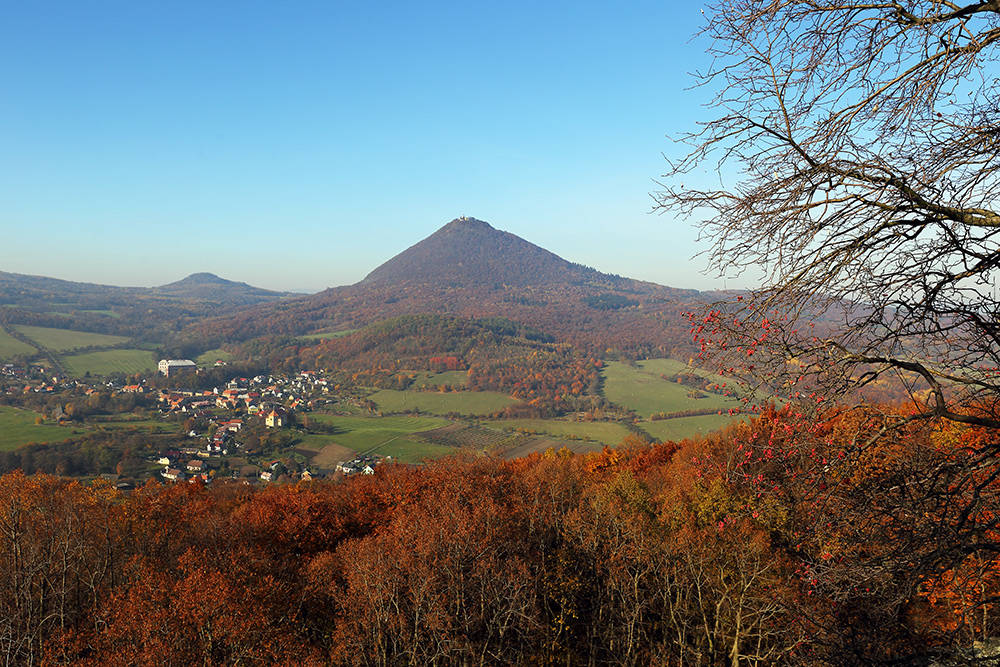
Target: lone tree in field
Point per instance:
(857, 146)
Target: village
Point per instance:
(240, 430)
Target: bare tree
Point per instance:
(857, 146)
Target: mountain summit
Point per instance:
(470, 252)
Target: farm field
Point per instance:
(411, 451)
(324, 456)
(363, 434)
(11, 347)
(208, 359)
(607, 433)
(319, 441)
(64, 340)
(454, 378)
(475, 437)
(331, 334)
(644, 391)
(122, 422)
(108, 361)
(686, 427)
(462, 402)
(17, 427)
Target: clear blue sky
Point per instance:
(299, 145)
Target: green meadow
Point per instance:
(608, 433)
(64, 340)
(17, 427)
(11, 347)
(644, 391)
(423, 380)
(686, 427)
(208, 359)
(436, 403)
(105, 362)
(363, 434)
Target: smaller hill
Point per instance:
(210, 287)
(149, 313)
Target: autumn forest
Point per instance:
(744, 547)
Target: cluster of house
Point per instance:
(10, 370)
(272, 398)
(364, 464)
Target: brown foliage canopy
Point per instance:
(775, 542)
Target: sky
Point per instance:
(297, 146)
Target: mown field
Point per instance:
(686, 427)
(208, 359)
(64, 340)
(608, 433)
(453, 378)
(644, 391)
(104, 362)
(461, 402)
(136, 423)
(17, 427)
(364, 434)
(10, 347)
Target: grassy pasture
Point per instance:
(208, 359)
(644, 391)
(462, 402)
(17, 427)
(318, 442)
(128, 423)
(331, 334)
(686, 427)
(11, 347)
(432, 379)
(608, 433)
(64, 340)
(108, 361)
(364, 434)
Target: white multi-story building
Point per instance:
(172, 366)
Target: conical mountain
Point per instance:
(469, 269)
(470, 252)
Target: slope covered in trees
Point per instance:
(500, 355)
